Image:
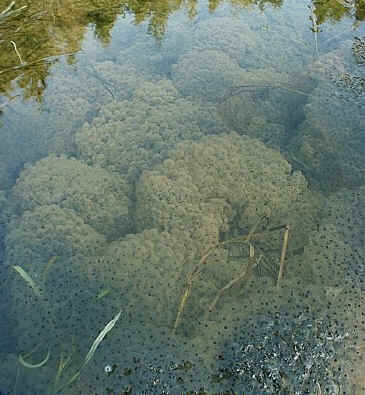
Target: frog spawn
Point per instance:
(211, 352)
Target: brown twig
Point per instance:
(182, 303)
(254, 87)
(245, 276)
(198, 269)
(283, 254)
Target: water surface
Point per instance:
(198, 168)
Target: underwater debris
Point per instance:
(283, 254)
(244, 276)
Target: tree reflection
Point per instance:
(332, 10)
(41, 31)
(259, 3)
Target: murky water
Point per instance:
(182, 202)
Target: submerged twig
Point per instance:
(254, 87)
(283, 253)
(245, 276)
(196, 272)
(182, 302)
(104, 82)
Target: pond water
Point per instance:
(182, 198)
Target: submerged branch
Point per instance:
(283, 254)
(253, 88)
(198, 269)
(245, 276)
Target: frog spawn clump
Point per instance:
(146, 273)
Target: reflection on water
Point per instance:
(34, 35)
(162, 179)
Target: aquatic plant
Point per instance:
(108, 327)
(51, 312)
(28, 279)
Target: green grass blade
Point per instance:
(109, 326)
(36, 365)
(26, 277)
